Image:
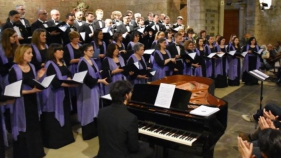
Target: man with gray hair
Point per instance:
(54, 21)
(21, 10)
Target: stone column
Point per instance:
(241, 22)
(221, 23)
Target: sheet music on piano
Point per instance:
(165, 95)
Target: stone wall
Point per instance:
(267, 24)
(203, 15)
(170, 7)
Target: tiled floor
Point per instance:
(242, 99)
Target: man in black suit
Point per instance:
(69, 27)
(79, 19)
(108, 32)
(179, 24)
(156, 25)
(118, 128)
(125, 28)
(54, 21)
(13, 22)
(167, 23)
(21, 10)
(176, 50)
(149, 18)
(88, 27)
(99, 23)
(42, 23)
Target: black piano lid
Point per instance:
(146, 94)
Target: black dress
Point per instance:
(29, 144)
(221, 79)
(2, 144)
(66, 55)
(54, 135)
(201, 61)
(252, 61)
(34, 60)
(89, 131)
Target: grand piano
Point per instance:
(175, 130)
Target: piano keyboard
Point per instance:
(166, 133)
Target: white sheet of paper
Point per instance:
(79, 76)
(83, 35)
(261, 73)
(137, 64)
(257, 75)
(124, 35)
(141, 30)
(177, 29)
(226, 47)
(63, 28)
(47, 81)
(204, 110)
(232, 52)
(110, 33)
(211, 55)
(17, 31)
(260, 51)
(13, 89)
(105, 30)
(220, 55)
(29, 37)
(165, 95)
(244, 53)
(107, 97)
(153, 27)
(149, 51)
(152, 73)
(45, 25)
(128, 28)
(192, 55)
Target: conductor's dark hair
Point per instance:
(118, 91)
(68, 15)
(134, 34)
(116, 36)
(51, 51)
(270, 142)
(158, 47)
(250, 39)
(220, 39)
(13, 12)
(110, 49)
(84, 48)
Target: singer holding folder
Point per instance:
(89, 93)
(26, 109)
(251, 61)
(138, 77)
(113, 62)
(163, 63)
(56, 105)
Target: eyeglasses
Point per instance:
(44, 13)
(90, 50)
(15, 36)
(21, 9)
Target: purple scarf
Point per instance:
(209, 67)
(88, 99)
(37, 52)
(115, 77)
(52, 99)
(219, 63)
(161, 71)
(138, 80)
(121, 43)
(233, 64)
(98, 60)
(3, 56)
(246, 60)
(72, 67)
(17, 110)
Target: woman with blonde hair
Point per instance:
(158, 35)
(26, 110)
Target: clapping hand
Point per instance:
(269, 115)
(245, 148)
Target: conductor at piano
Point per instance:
(118, 128)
